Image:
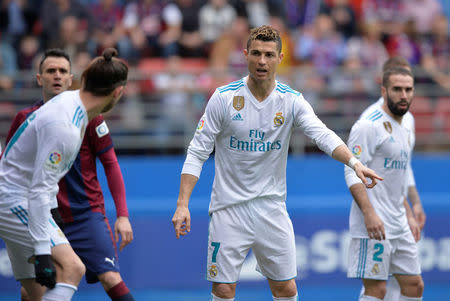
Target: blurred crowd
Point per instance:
(339, 45)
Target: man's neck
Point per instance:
(260, 89)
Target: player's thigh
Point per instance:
(405, 260)
(369, 259)
(14, 232)
(72, 269)
(229, 240)
(92, 241)
(274, 247)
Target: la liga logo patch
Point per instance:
(356, 150)
(201, 124)
(54, 158)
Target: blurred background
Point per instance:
(179, 52)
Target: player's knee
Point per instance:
(75, 268)
(415, 287)
(282, 289)
(109, 279)
(375, 288)
(224, 290)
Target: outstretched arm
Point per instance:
(343, 154)
(182, 219)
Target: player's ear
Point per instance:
(118, 91)
(38, 79)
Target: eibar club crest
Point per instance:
(387, 126)
(238, 102)
(279, 119)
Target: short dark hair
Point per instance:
(396, 61)
(104, 73)
(265, 33)
(53, 52)
(393, 71)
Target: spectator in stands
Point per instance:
(152, 27)
(300, 13)
(18, 18)
(27, 52)
(343, 15)
(390, 14)
(404, 41)
(226, 52)
(191, 43)
(53, 12)
(108, 29)
(216, 18)
(8, 65)
(259, 12)
(322, 46)
(422, 12)
(175, 90)
(368, 47)
(436, 53)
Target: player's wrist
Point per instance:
(352, 162)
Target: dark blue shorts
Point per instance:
(92, 240)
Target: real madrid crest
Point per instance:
(387, 126)
(213, 271)
(238, 102)
(279, 119)
(375, 269)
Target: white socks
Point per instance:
(293, 298)
(404, 298)
(369, 298)
(215, 298)
(61, 292)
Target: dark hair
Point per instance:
(53, 52)
(394, 71)
(265, 33)
(104, 74)
(396, 61)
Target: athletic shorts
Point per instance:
(261, 225)
(92, 240)
(14, 231)
(377, 259)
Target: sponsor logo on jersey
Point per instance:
(213, 271)
(279, 119)
(238, 102)
(201, 124)
(52, 163)
(237, 117)
(102, 129)
(356, 150)
(387, 126)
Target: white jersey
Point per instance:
(384, 145)
(38, 155)
(407, 122)
(251, 141)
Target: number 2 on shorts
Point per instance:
(216, 246)
(379, 248)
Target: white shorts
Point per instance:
(14, 232)
(375, 259)
(265, 227)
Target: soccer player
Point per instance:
(392, 287)
(249, 123)
(382, 241)
(80, 198)
(38, 155)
